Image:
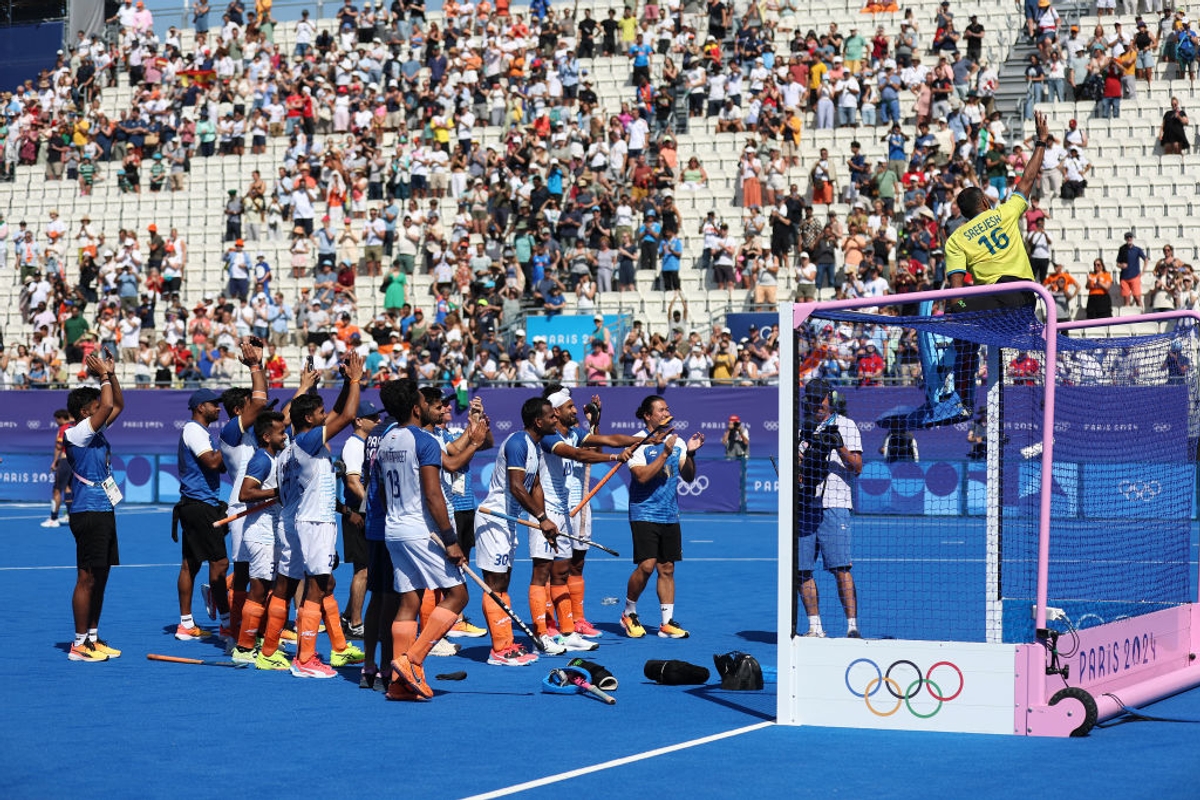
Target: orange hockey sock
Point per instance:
(537, 608)
(499, 625)
(440, 621)
(575, 587)
(429, 601)
(235, 610)
(333, 622)
(404, 633)
(252, 614)
(308, 620)
(561, 598)
(277, 614)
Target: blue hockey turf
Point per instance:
(135, 727)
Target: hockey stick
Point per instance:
(534, 525)
(583, 685)
(197, 661)
(470, 573)
(615, 468)
(247, 512)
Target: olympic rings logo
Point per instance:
(33, 424)
(895, 686)
(771, 425)
(1162, 427)
(503, 424)
(694, 488)
(1140, 490)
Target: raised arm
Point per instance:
(1034, 165)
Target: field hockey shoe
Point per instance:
(576, 643)
(352, 631)
(444, 647)
(209, 606)
(243, 655)
(346, 657)
(464, 628)
(672, 630)
(313, 668)
(276, 661)
(512, 656)
(86, 652)
(552, 645)
(587, 630)
(102, 646)
(411, 675)
(191, 634)
(398, 690)
(51, 523)
(813, 634)
(632, 625)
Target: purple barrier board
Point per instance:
(153, 418)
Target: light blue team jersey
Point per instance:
(237, 446)
(259, 527)
(307, 486)
(402, 454)
(518, 452)
(196, 481)
(89, 456)
(557, 472)
(375, 513)
(656, 500)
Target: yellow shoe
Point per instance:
(632, 625)
(276, 661)
(672, 630)
(344, 658)
(288, 635)
(464, 628)
(86, 652)
(101, 646)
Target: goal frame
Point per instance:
(1002, 687)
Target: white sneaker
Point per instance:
(814, 635)
(577, 643)
(51, 523)
(444, 647)
(552, 646)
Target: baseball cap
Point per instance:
(734, 418)
(202, 396)
(368, 409)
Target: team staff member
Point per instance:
(93, 492)
(410, 464)
(59, 468)
(515, 489)
(308, 492)
(260, 484)
(381, 580)
(654, 516)
(199, 506)
(830, 458)
(354, 539)
(237, 443)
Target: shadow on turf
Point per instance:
(762, 637)
(715, 694)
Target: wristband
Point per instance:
(541, 517)
(105, 382)
(449, 536)
(258, 395)
(1039, 143)
(255, 367)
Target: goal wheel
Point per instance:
(1090, 711)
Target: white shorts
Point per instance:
(495, 543)
(421, 564)
(235, 535)
(539, 546)
(290, 564)
(261, 558)
(318, 546)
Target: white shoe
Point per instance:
(51, 523)
(444, 647)
(552, 646)
(814, 635)
(577, 643)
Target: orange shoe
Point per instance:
(412, 675)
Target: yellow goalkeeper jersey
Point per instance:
(990, 246)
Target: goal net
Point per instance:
(948, 509)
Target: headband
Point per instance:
(560, 398)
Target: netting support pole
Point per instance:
(994, 604)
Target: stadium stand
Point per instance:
(474, 113)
